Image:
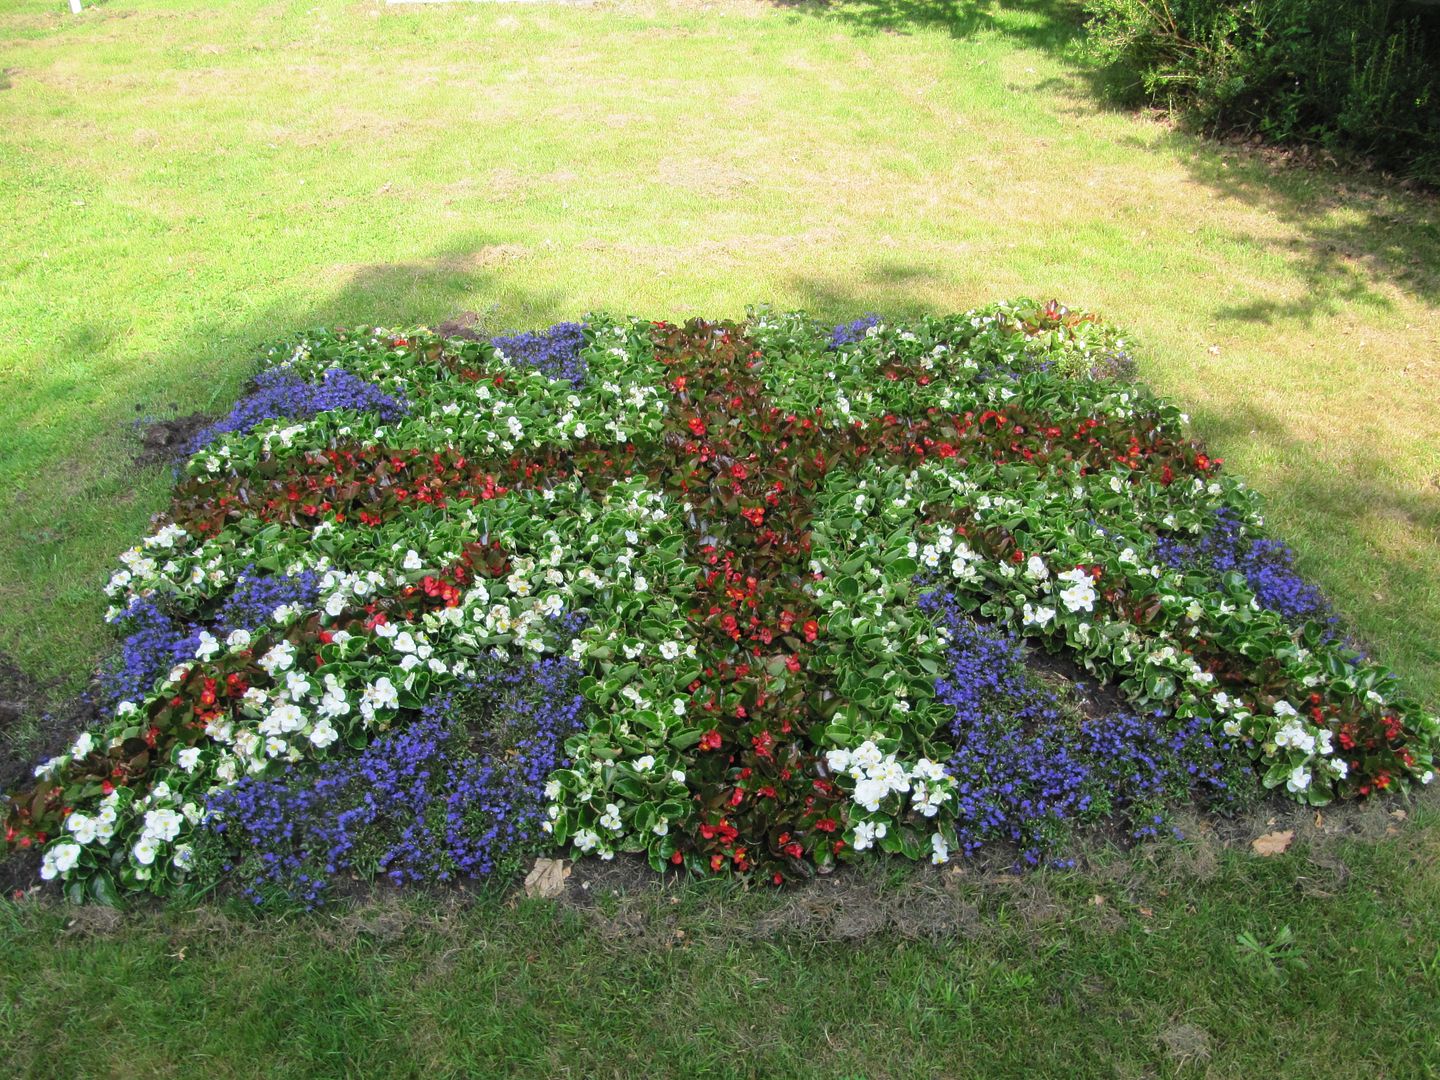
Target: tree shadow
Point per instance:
(401, 294)
(73, 504)
(1052, 25)
(1353, 232)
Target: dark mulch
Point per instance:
(163, 442)
(465, 326)
(1095, 698)
(35, 723)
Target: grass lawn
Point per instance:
(180, 182)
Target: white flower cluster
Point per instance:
(924, 788)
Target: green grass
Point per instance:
(181, 181)
(1131, 970)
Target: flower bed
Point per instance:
(748, 598)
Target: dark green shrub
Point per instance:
(1361, 77)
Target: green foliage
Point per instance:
(1359, 77)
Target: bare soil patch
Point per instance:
(162, 442)
(35, 724)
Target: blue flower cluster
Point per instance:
(155, 643)
(278, 392)
(851, 332)
(450, 796)
(157, 640)
(555, 352)
(1028, 766)
(1268, 567)
(255, 596)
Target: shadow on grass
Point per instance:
(1377, 528)
(1354, 233)
(402, 294)
(69, 508)
(1052, 25)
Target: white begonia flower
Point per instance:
(382, 694)
(238, 639)
(869, 793)
(82, 745)
(678, 775)
(323, 734)
(145, 849)
(83, 827)
(587, 841)
(837, 761)
(1299, 779)
(283, 719)
(867, 755)
(189, 758)
(1037, 616)
(892, 774)
(669, 650)
(208, 648)
(1293, 734)
(678, 706)
(866, 833)
(163, 824)
(48, 767)
(279, 658)
(1080, 595)
(1035, 567)
(65, 856)
(552, 790)
(412, 560)
(297, 685)
(930, 770)
(645, 763)
(939, 849)
(275, 747)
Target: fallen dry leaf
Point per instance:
(1273, 843)
(546, 878)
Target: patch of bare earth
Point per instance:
(35, 724)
